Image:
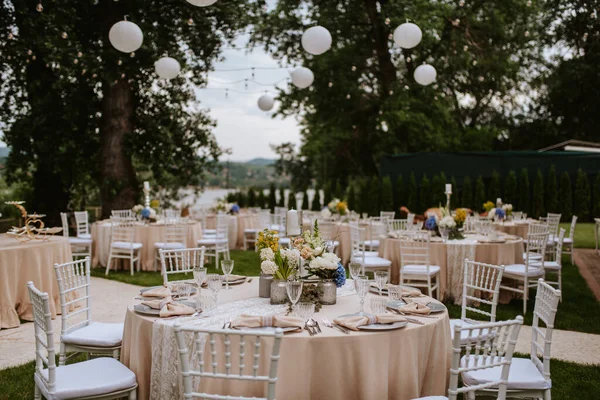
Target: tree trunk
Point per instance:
(387, 70)
(118, 185)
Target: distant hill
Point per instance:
(260, 161)
(4, 152)
(259, 172)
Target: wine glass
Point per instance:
(294, 291)
(355, 269)
(227, 267)
(215, 282)
(381, 278)
(199, 276)
(362, 288)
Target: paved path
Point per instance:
(111, 299)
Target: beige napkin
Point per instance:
(161, 292)
(416, 308)
(168, 308)
(232, 278)
(278, 321)
(407, 292)
(359, 320)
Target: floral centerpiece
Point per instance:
(488, 206)
(449, 226)
(334, 208)
(460, 216)
(508, 209)
(431, 222)
(498, 214)
(224, 207)
(145, 213)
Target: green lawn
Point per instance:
(584, 234)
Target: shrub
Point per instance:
(281, 202)
(437, 191)
(316, 201)
(551, 191)
(351, 199)
(494, 191)
(271, 199)
(455, 194)
(412, 193)
(538, 195)
(338, 192)
(479, 197)
(375, 197)
(566, 197)
(399, 193)
(524, 191)
(510, 189)
(467, 194)
(425, 198)
(365, 197)
(260, 199)
(582, 196)
(251, 197)
(327, 195)
(291, 202)
(305, 201)
(387, 196)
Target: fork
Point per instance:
(311, 324)
(334, 326)
(308, 329)
(316, 325)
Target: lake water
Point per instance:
(211, 196)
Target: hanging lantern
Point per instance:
(425, 74)
(202, 3)
(408, 35)
(265, 102)
(167, 68)
(302, 77)
(125, 36)
(316, 40)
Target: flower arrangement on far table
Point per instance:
(431, 222)
(225, 207)
(498, 214)
(281, 263)
(508, 209)
(460, 216)
(335, 207)
(488, 206)
(452, 224)
(146, 213)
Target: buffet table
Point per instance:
(30, 261)
(396, 364)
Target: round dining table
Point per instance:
(450, 256)
(21, 262)
(404, 363)
(516, 228)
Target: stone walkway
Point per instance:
(111, 299)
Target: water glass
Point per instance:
(355, 269)
(306, 310)
(378, 305)
(215, 282)
(186, 290)
(381, 278)
(227, 267)
(199, 276)
(362, 288)
(395, 292)
(205, 303)
(294, 291)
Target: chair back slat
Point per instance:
(397, 225)
(572, 229)
(180, 261)
(74, 283)
(122, 213)
(122, 230)
(559, 246)
(175, 233)
(82, 222)
(553, 221)
(387, 214)
(481, 281)
(415, 251)
(546, 305)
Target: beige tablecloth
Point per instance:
(245, 221)
(399, 364)
(23, 262)
(145, 234)
(450, 257)
(519, 229)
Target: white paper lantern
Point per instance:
(126, 36)
(302, 77)
(265, 102)
(202, 3)
(408, 35)
(316, 40)
(425, 74)
(167, 68)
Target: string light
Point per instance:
(64, 35)
(39, 7)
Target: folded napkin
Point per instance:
(408, 292)
(416, 308)
(360, 320)
(161, 292)
(168, 308)
(278, 321)
(233, 278)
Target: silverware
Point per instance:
(316, 325)
(414, 321)
(308, 329)
(249, 280)
(311, 325)
(332, 326)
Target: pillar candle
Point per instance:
(448, 188)
(146, 185)
(292, 224)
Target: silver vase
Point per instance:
(278, 292)
(327, 292)
(264, 285)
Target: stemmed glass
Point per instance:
(381, 278)
(215, 282)
(227, 267)
(294, 291)
(355, 269)
(362, 288)
(199, 276)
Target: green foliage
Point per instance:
(241, 199)
(412, 193)
(305, 201)
(261, 200)
(455, 194)
(327, 194)
(538, 195)
(316, 202)
(338, 192)
(479, 196)
(596, 198)
(437, 191)
(399, 193)
(364, 203)
(374, 197)
(566, 198)
(425, 198)
(582, 196)
(467, 194)
(281, 202)
(271, 199)
(494, 190)
(387, 195)
(351, 198)
(551, 191)
(291, 202)
(510, 189)
(251, 197)
(524, 192)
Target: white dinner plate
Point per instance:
(433, 307)
(383, 327)
(193, 292)
(144, 309)
(267, 329)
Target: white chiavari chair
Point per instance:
(83, 225)
(387, 214)
(397, 225)
(531, 269)
(529, 377)
(554, 265)
(80, 247)
(99, 378)
(569, 242)
(481, 285)
(219, 244)
(415, 265)
(79, 333)
(122, 213)
(180, 261)
(123, 244)
(535, 229)
(261, 222)
(174, 237)
(488, 346)
(213, 364)
(410, 219)
(369, 260)
(377, 229)
(328, 231)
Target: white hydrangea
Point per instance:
(268, 267)
(267, 254)
(325, 213)
(326, 261)
(447, 222)
(292, 255)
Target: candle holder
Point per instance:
(448, 195)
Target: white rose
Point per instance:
(319, 251)
(268, 267)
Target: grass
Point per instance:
(584, 234)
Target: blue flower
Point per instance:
(431, 223)
(500, 214)
(235, 209)
(146, 213)
(340, 276)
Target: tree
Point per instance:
(425, 198)
(327, 195)
(524, 191)
(387, 194)
(374, 197)
(281, 202)
(338, 192)
(494, 188)
(351, 196)
(251, 197)
(365, 196)
(582, 196)
(399, 193)
(467, 194)
(261, 201)
(271, 199)
(538, 195)
(455, 194)
(305, 201)
(438, 198)
(596, 208)
(510, 189)
(291, 202)
(412, 194)
(551, 191)
(241, 199)
(566, 190)
(479, 197)
(316, 201)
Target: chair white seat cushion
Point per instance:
(169, 245)
(89, 378)
(565, 240)
(85, 236)
(371, 243)
(432, 398)
(523, 374)
(367, 254)
(80, 241)
(420, 270)
(372, 261)
(126, 245)
(250, 230)
(519, 269)
(96, 334)
(465, 334)
(212, 241)
(275, 227)
(551, 265)
(209, 231)
(532, 256)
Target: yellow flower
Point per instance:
(460, 216)
(342, 207)
(488, 205)
(155, 204)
